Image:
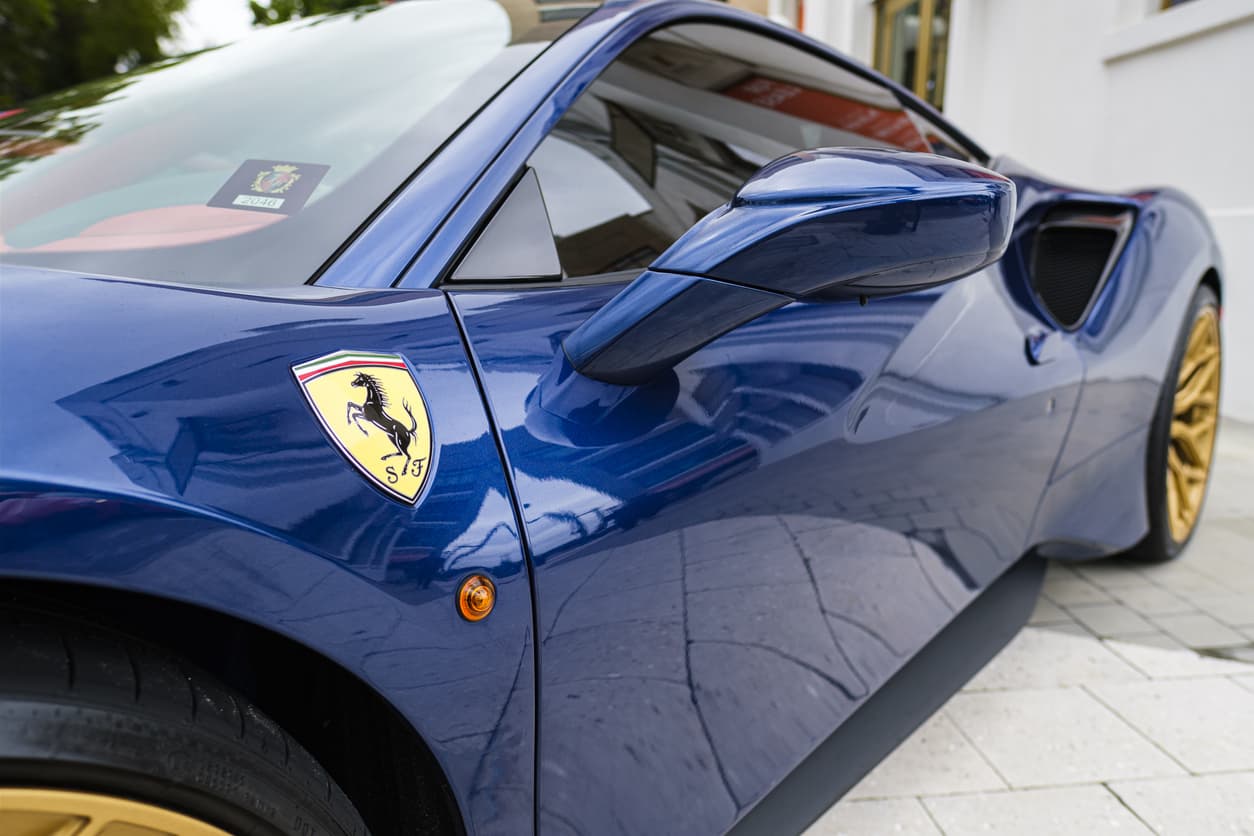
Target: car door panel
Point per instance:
(730, 559)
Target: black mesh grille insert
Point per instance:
(1067, 267)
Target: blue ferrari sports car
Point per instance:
(510, 417)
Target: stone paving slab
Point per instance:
(935, 760)
(1149, 599)
(1233, 610)
(1210, 804)
(1109, 575)
(1199, 630)
(1056, 736)
(1068, 589)
(1057, 811)
(1106, 620)
(1162, 657)
(1110, 713)
(1205, 724)
(1046, 658)
(900, 817)
(1047, 612)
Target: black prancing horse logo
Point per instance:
(374, 411)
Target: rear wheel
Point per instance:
(1182, 439)
(102, 735)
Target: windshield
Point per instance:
(250, 164)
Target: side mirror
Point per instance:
(825, 224)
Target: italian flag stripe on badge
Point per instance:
(343, 360)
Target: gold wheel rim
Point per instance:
(1194, 417)
(43, 812)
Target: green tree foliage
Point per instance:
(46, 45)
(280, 11)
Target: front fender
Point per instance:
(153, 439)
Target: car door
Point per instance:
(729, 559)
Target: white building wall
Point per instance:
(1196, 115)
(1111, 94)
(848, 25)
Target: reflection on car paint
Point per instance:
(727, 561)
(222, 489)
(730, 559)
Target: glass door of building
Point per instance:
(912, 45)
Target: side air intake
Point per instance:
(1076, 247)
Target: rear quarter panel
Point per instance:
(1096, 504)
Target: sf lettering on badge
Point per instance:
(276, 186)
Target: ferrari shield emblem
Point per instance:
(371, 407)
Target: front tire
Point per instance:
(1182, 437)
(98, 730)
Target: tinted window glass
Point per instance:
(672, 128)
(939, 141)
(250, 164)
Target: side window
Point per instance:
(939, 141)
(673, 127)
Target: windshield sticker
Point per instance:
(270, 186)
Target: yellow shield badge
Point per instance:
(371, 407)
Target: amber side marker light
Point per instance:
(476, 598)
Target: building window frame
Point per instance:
(885, 12)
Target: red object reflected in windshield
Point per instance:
(171, 226)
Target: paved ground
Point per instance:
(1121, 709)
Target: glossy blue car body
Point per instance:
(700, 578)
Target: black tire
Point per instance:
(88, 710)
(1159, 545)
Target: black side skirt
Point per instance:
(889, 716)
